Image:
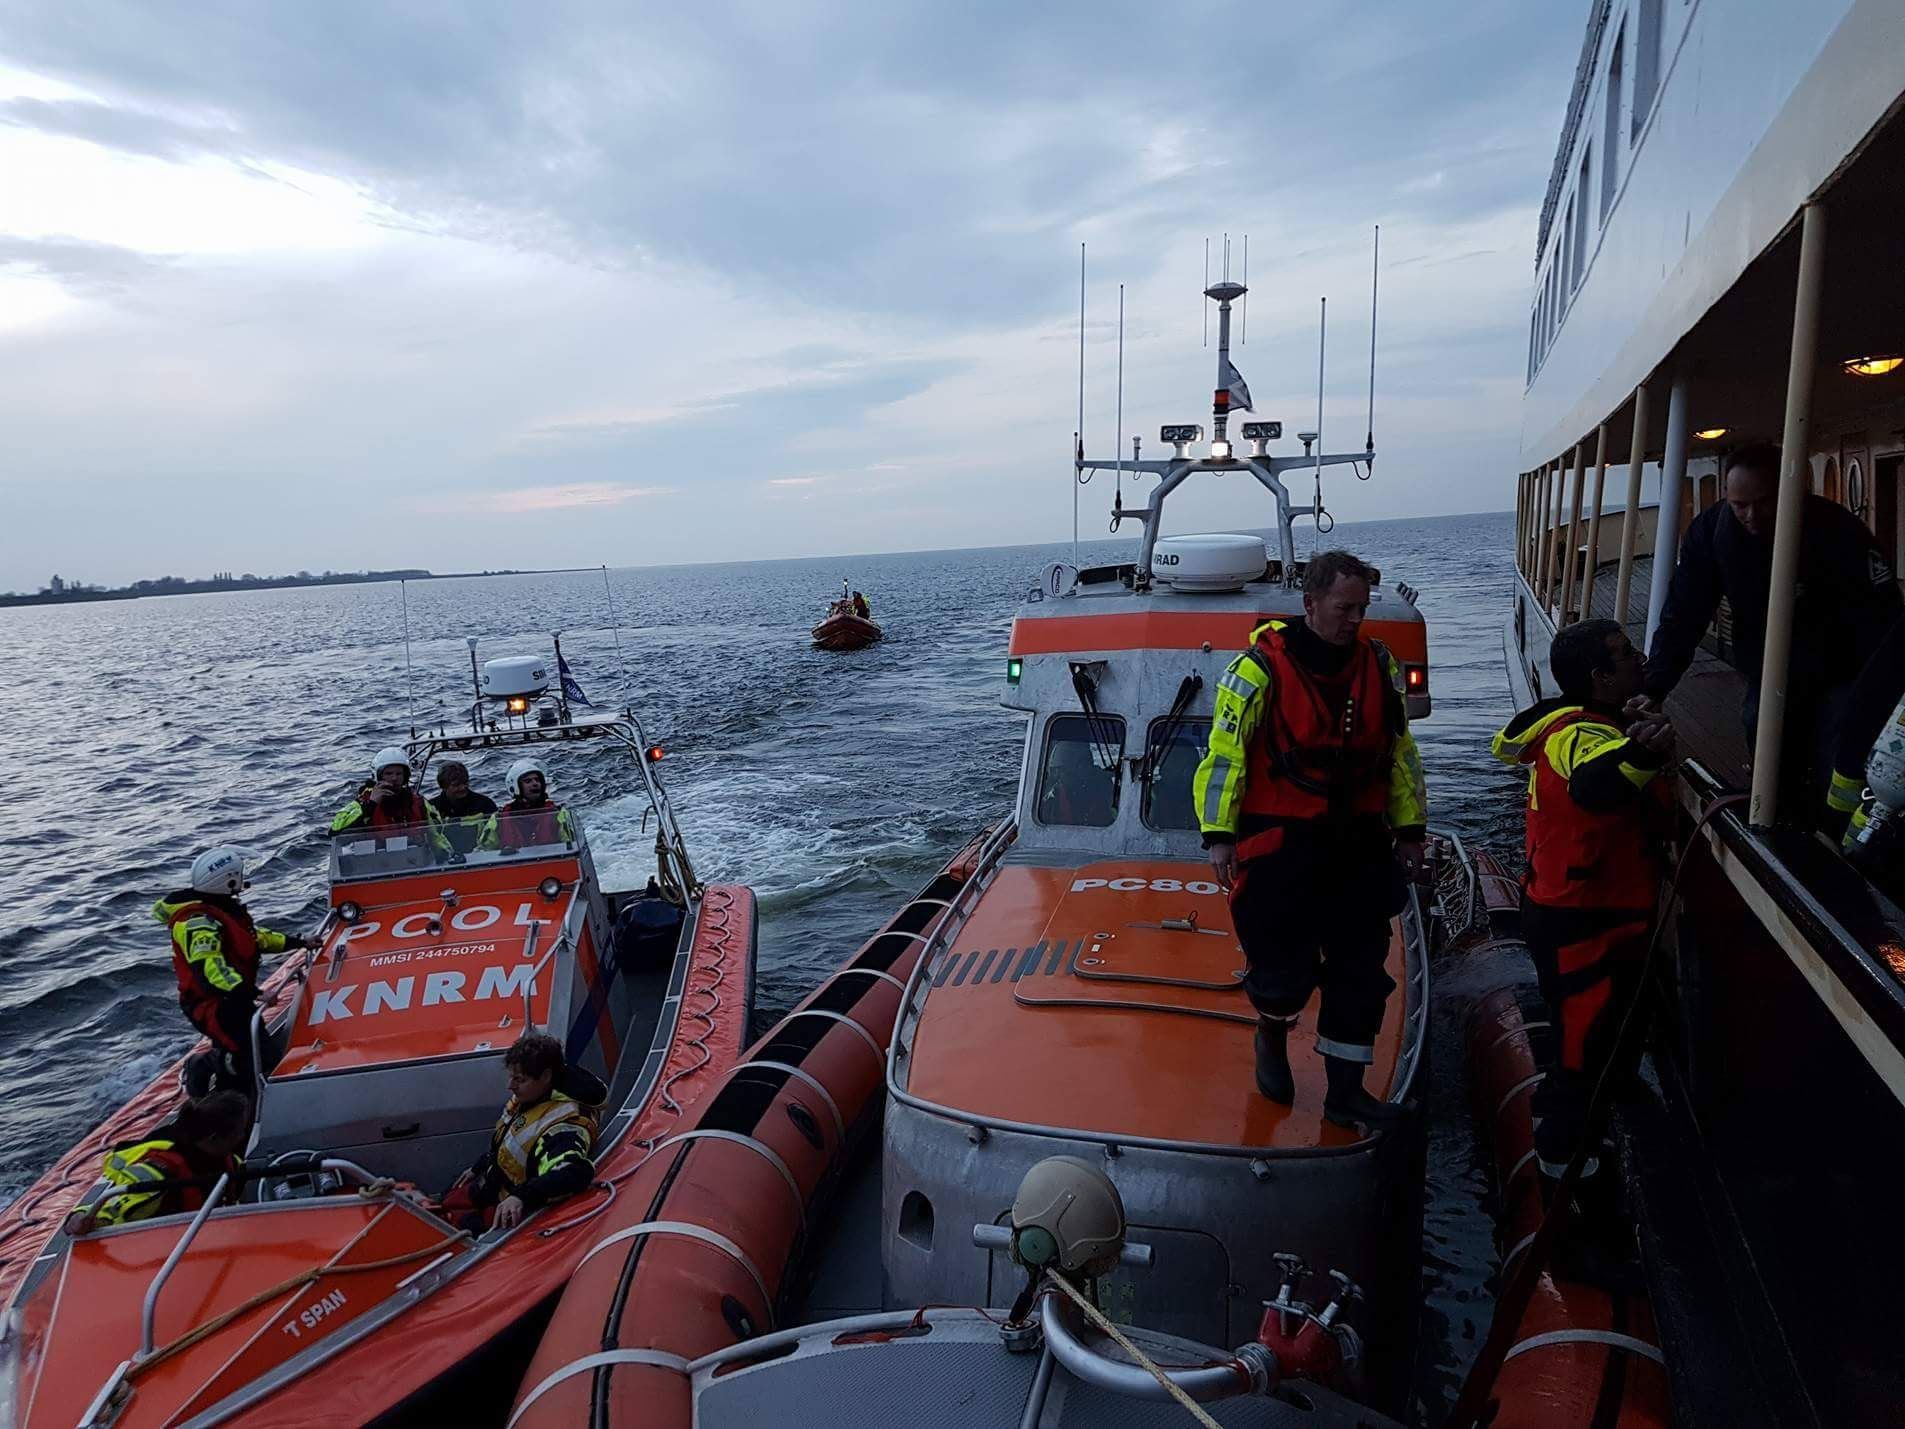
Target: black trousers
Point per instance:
(1588, 963)
(1315, 912)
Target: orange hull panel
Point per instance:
(1569, 1381)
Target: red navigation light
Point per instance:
(654, 752)
(1416, 677)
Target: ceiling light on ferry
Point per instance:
(1872, 366)
(1220, 451)
(1712, 434)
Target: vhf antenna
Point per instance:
(1322, 334)
(1243, 308)
(1205, 307)
(1078, 437)
(1118, 500)
(1375, 268)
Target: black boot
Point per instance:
(1347, 1104)
(1274, 1078)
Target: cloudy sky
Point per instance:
(462, 285)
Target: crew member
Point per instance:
(1597, 815)
(540, 1149)
(179, 1162)
(1310, 796)
(462, 810)
(1874, 699)
(532, 817)
(387, 801)
(860, 606)
(1847, 599)
(215, 951)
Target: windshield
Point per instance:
(504, 838)
(1168, 803)
(1078, 775)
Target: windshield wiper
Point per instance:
(1168, 727)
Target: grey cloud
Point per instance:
(81, 266)
(131, 130)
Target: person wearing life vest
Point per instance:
(1597, 815)
(1311, 801)
(541, 1147)
(173, 1168)
(860, 606)
(531, 817)
(463, 811)
(216, 948)
(387, 801)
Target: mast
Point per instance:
(1225, 293)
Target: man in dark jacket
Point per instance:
(541, 1147)
(1847, 600)
(463, 810)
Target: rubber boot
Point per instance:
(1347, 1104)
(1274, 1078)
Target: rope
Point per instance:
(1097, 1317)
(283, 1287)
(1514, 1300)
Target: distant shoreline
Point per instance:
(174, 585)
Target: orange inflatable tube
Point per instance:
(694, 1252)
(1582, 1356)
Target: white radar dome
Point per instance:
(1208, 563)
(514, 677)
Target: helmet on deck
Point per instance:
(524, 766)
(220, 870)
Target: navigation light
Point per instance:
(517, 704)
(653, 753)
(1220, 451)
(1014, 668)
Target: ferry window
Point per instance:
(1611, 128)
(1167, 796)
(1080, 773)
(1646, 66)
(1580, 219)
(1564, 261)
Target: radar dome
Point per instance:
(1208, 564)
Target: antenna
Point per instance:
(409, 689)
(1375, 262)
(1120, 446)
(1206, 306)
(615, 629)
(476, 687)
(1322, 333)
(1078, 439)
(1243, 313)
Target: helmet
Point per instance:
(527, 765)
(220, 870)
(1069, 1214)
(386, 757)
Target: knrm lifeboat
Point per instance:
(1076, 1201)
(327, 1285)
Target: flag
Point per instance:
(571, 691)
(1235, 385)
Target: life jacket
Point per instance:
(1306, 762)
(519, 825)
(404, 809)
(237, 933)
(1578, 858)
(513, 1143)
(156, 1159)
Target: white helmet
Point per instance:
(386, 757)
(527, 765)
(220, 870)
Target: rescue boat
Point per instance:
(1077, 1193)
(329, 1285)
(844, 630)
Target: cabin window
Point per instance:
(1167, 796)
(1564, 263)
(1080, 773)
(1611, 128)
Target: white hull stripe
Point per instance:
(690, 1231)
(759, 1148)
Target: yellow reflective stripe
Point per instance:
(1408, 790)
(1578, 743)
(205, 950)
(270, 940)
(1854, 827)
(346, 816)
(545, 1165)
(1846, 793)
(1237, 709)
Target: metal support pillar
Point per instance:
(1673, 481)
(1571, 556)
(1630, 523)
(1594, 524)
(1795, 477)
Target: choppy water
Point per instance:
(141, 731)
